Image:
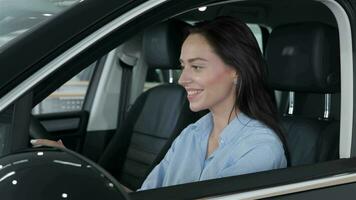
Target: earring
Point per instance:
(235, 81)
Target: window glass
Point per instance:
(69, 97)
(19, 16)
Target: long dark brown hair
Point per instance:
(233, 41)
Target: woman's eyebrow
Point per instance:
(194, 59)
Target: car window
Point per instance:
(69, 97)
(19, 16)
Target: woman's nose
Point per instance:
(184, 78)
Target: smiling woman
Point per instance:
(223, 72)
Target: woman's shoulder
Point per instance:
(255, 132)
(255, 127)
(261, 134)
(262, 140)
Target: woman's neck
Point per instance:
(222, 119)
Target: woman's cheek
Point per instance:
(218, 78)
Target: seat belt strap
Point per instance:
(124, 99)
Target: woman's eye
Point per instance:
(182, 67)
(196, 67)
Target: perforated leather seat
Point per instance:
(304, 58)
(155, 118)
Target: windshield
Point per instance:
(19, 16)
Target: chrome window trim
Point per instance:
(292, 188)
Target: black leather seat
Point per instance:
(304, 58)
(155, 118)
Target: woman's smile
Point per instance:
(192, 94)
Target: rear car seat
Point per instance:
(156, 117)
(304, 58)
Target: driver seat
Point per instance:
(156, 117)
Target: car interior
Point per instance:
(134, 108)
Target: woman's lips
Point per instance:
(193, 93)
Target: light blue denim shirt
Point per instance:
(246, 146)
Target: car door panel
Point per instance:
(70, 127)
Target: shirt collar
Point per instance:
(233, 129)
(204, 124)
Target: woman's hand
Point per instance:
(45, 142)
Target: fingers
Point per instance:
(45, 142)
(60, 142)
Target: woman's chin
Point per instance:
(196, 108)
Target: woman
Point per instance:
(223, 71)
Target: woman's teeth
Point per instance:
(193, 92)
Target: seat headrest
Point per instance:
(162, 44)
(304, 58)
(130, 51)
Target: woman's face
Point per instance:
(207, 79)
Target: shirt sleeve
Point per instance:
(261, 157)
